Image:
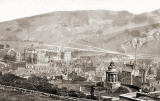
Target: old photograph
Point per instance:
(79, 50)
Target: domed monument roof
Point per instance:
(112, 67)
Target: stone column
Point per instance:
(114, 78)
(106, 76)
(110, 78)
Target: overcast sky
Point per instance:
(13, 9)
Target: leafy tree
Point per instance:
(158, 74)
(9, 79)
(92, 92)
(54, 90)
(40, 84)
(74, 93)
(62, 91)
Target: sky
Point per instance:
(14, 9)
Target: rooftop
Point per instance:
(140, 96)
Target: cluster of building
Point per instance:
(46, 60)
(60, 63)
(33, 59)
(140, 75)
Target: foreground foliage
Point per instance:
(38, 84)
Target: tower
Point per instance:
(112, 77)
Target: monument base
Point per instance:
(113, 85)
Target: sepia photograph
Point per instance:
(79, 50)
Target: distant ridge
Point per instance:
(108, 30)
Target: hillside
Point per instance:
(107, 30)
(148, 38)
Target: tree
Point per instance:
(144, 70)
(62, 91)
(158, 74)
(41, 84)
(74, 93)
(92, 92)
(9, 79)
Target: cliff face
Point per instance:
(107, 30)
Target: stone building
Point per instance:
(41, 56)
(128, 74)
(68, 56)
(30, 55)
(112, 77)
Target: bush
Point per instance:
(38, 84)
(62, 91)
(9, 79)
(74, 93)
(100, 84)
(41, 84)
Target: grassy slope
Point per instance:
(14, 96)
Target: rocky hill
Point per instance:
(101, 29)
